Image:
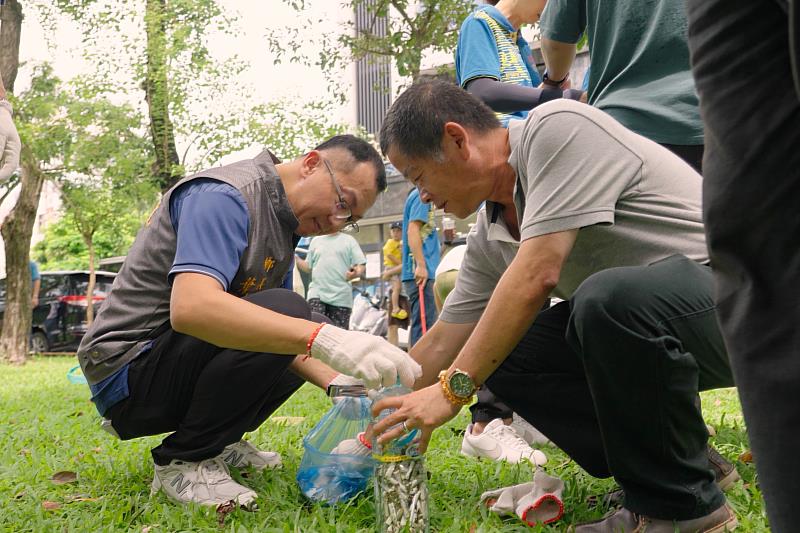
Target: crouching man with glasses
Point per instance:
(200, 335)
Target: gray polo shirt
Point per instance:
(633, 201)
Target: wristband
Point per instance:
(555, 83)
(312, 338)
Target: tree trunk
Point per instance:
(10, 31)
(92, 278)
(166, 167)
(16, 230)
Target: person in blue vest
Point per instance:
(494, 62)
(199, 339)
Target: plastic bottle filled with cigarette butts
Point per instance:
(401, 481)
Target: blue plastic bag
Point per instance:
(331, 478)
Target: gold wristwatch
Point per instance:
(458, 386)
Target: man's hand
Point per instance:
(34, 301)
(420, 274)
(425, 410)
(352, 273)
(364, 356)
(10, 144)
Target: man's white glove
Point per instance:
(10, 144)
(367, 357)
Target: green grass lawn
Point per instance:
(48, 424)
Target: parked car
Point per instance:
(59, 321)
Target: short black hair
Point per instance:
(415, 121)
(361, 151)
(492, 2)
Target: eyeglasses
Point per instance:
(341, 207)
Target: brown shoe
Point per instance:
(724, 472)
(624, 521)
(725, 475)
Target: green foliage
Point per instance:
(412, 29)
(210, 116)
(50, 426)
(63, 248)
(98, 154)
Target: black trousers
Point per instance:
(612, 378)
(207, 396)
(751, 193)
(691, 153)
(339, 316)
(488, 407)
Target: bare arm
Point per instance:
(201, 308)
(356, 271)
(302, 264)
(512, 309)
(313, 371)
(437, 349)
(558, 58)
(515, 303)
(37, 284)
(415, 245)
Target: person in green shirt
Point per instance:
(333, 260)
(640, 72)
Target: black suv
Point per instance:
(59, 321)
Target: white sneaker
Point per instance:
(529, 434)
(242, 454)
(500, 442)
(207, 483)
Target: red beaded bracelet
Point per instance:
(311, 340)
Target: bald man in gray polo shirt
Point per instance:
(578, 207)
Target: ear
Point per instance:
(455, 140)
(310, 162)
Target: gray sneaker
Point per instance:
(624, 521)
(242, 454)
(207, 483)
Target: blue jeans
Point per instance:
(416, 316)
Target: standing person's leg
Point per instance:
(742, 67)
(649, 342)
(340, 316)
(316, 306)
(415, 332)
(395, 294)
(488, 407)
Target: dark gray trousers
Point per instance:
(612, 378)
(742, 65)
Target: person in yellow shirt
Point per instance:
(392, 261)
